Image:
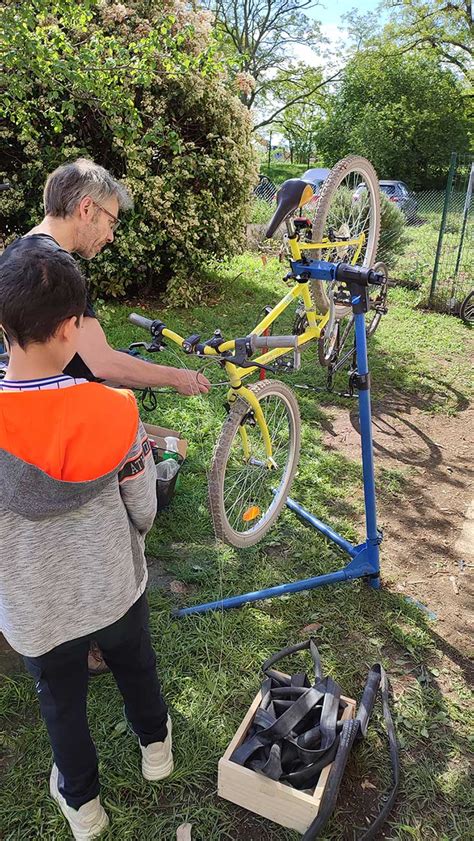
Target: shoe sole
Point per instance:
(79, 834)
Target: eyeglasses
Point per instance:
(110, 215)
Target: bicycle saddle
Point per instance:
(292, 194)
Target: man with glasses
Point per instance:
(82, 202)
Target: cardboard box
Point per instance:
(159, 433)
(276, 801)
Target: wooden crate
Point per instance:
(276, 801)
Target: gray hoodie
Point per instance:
(77, 497)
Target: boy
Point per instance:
(77, 497)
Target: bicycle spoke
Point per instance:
(250, 486)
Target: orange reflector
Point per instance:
(251, 513)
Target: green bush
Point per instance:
(393, 232)
(392, 239)
(141, 89)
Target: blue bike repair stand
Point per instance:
(364, 561)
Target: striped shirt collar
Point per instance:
(41, 384)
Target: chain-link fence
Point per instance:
(453, 270)
(413, 253)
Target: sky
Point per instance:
(333, 13)
(332, 18)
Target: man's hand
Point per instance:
(190, 382)
(128, 371)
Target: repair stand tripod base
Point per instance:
(364, 561)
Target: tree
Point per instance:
(261, 36)
(405, 113)
(142, 90)
(298, 121)
(442, 28)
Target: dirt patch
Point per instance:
(10, 662)
(427, 553)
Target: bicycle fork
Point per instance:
(238, 390)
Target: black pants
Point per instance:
(61, 678)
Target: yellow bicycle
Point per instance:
(256, 455)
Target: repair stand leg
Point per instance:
(365, 416)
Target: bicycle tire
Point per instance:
(225, 527)
(352, 165)
(467, 309)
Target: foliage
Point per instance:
(298, 120)
(442, 27)
(260, 36)
(393, 232)
(406, 114)
(392, 239)
(142, 90)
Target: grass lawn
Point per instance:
(209, 664)
(279, 172)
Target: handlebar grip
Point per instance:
(273, 341)
(140, 321)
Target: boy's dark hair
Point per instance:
(40, 287)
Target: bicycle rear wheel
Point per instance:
(378, 301)
(467, 309)
(348, 206)
(245, 494)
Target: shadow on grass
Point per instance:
(210, 670)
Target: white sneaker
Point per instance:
(88, 821)
(157, 758)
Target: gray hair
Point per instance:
(68, 184)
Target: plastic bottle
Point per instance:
(171, 448)
(165, 470)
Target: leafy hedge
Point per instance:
(143, 90)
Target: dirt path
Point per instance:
(428, 547)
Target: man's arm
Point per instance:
(123, 369)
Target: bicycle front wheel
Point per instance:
(349, 206)
(246, 495)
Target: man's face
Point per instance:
(96, 227)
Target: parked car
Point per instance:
(316, 177)
(399, 193)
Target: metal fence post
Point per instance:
(449, 187)
(467, 205)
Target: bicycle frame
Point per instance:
(236, 373)
(316, 323)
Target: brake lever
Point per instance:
(151, 347)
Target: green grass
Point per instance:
(279, 172)
(209, 664)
